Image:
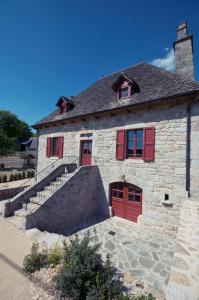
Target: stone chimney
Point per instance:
(183, 49)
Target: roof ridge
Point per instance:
(137, 64)
(173, 73)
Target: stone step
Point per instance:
(21, 213)
(16, 221)
(50, 188)
(30, 206)
(65, 175)
(43, 194)
(60, 179)
(55, 183)
(45, 239)
(2, 205)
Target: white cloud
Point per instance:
(167, 62)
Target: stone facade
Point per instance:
(77, 203)
(166, 175)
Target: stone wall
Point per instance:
(166, 175)
(77, 203)
(184, 276)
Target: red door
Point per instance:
(126, 200)
(86, 153)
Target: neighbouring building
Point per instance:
(140, 127)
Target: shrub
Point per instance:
(2, 166)
(19, 176)
(11, 177)
(32, 174)
(23, 175)
(5, 178)
(83, 274)
(28, 174)
(55, 256)
(1, 179)
(35, 260)
(15, 176)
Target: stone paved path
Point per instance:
(133, 249)
(13, 247)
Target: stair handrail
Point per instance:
(36, 178)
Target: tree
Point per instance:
(12, 126)
(7, 145)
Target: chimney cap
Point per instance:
(182, 31)
(182, 26)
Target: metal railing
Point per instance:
(28, 184)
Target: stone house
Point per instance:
(133, 137)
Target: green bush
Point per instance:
(55, 256)
(11, 177)
(32, 174)
(23, 175)
(5, 178)
(2, 166)
(1, 179)
(83, 274)
(19, 176)
(35, 260)
(15, 176)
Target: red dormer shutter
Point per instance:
(120, 144)
(149, 144)
(60, 146)
(48, 147)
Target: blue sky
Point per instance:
(51, 48)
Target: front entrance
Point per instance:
(126, 200)
(86, 152)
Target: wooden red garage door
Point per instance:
(126, 200)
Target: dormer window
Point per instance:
(62, 108)
(65, 104)
(125, 87)
(123, 92)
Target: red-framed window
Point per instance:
(134, 194)
(54, 147)
(136, 143)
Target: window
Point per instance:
(124, 92)
(134, 194)
(134, 145)
(62, 109)
(86, 135)
(55, 147)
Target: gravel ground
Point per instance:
(43, 286)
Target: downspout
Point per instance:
(37, 154)
(188, 145)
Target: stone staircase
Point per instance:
(38, 200)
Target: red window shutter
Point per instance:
(48, 147)
(60, 146)
(120, 144)
(149, 144)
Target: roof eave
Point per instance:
(192, 93)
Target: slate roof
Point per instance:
(154, 84)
